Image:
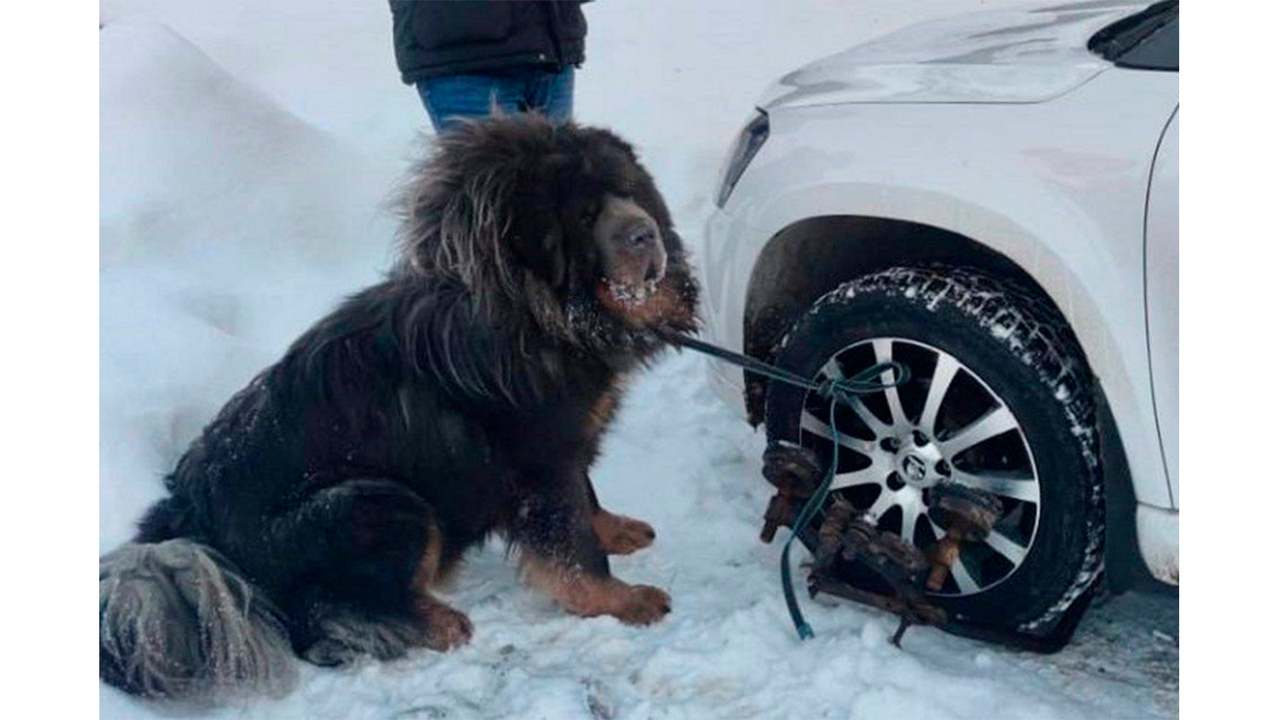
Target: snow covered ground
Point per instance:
(248, 151)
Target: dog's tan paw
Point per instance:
(621, 535)
(644, 605)
(446, 628)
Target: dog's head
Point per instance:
(560, 221)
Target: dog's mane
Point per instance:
(457, 212)
(458, 306)
(406, 327)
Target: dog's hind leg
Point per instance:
(327, 631)
(368, 550)
(330, 631)
(618, 534)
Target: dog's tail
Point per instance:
(178, 621)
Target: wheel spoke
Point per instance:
(812, 423)
(962, 577)
(873, 474)
(882, 504)
(1018, 487)
(832, 370)
(1012, 551)
(910, 514)
(884, 353)
(864, 413)
(943, 373)
(988, 426)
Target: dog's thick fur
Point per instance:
(465, 395)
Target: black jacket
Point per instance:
(468, 36)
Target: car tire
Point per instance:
(984, 335)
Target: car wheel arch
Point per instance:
(813, 256)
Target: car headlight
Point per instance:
(746, 147)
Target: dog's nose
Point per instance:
(657, 269)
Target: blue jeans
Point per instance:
(450, 97)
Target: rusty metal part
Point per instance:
(848, 534)
(831, 541)
(920, 613)
(911, 608)
(793, 470)
(882, 549)
(782, 511)
(967, 515)
(941, 557)
(796, 473)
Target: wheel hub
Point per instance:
(918, 464)
(906, 443)
(917, 473)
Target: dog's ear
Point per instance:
(484, 208)
(554, 250)
(538, 239)
(538, 244)
(459, 208)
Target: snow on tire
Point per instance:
(1001, 398)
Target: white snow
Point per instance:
(247, 154)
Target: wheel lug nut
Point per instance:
(919, 438)
(889, 444)
(943, 468)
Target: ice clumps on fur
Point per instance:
(631, 296)
(176, 621)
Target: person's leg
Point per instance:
(554, 95)
(450, 97)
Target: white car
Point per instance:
(991, 200)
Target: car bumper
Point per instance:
(722, 306)
(726, 382)
(1158, 541)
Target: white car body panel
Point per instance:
(1158, 541)
(1057, 182)
(1162, 296)
(997, 56)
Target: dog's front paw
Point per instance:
(621, 535)
(446, 628)
(644, 605)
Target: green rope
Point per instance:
(865, 382)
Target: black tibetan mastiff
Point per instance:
(465, 395)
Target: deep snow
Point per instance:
(247, 154)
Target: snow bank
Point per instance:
(227, 226)
(193, 161)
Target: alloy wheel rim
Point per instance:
(947, 425)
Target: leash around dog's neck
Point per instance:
(870, 381)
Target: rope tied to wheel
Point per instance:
(874, 379)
